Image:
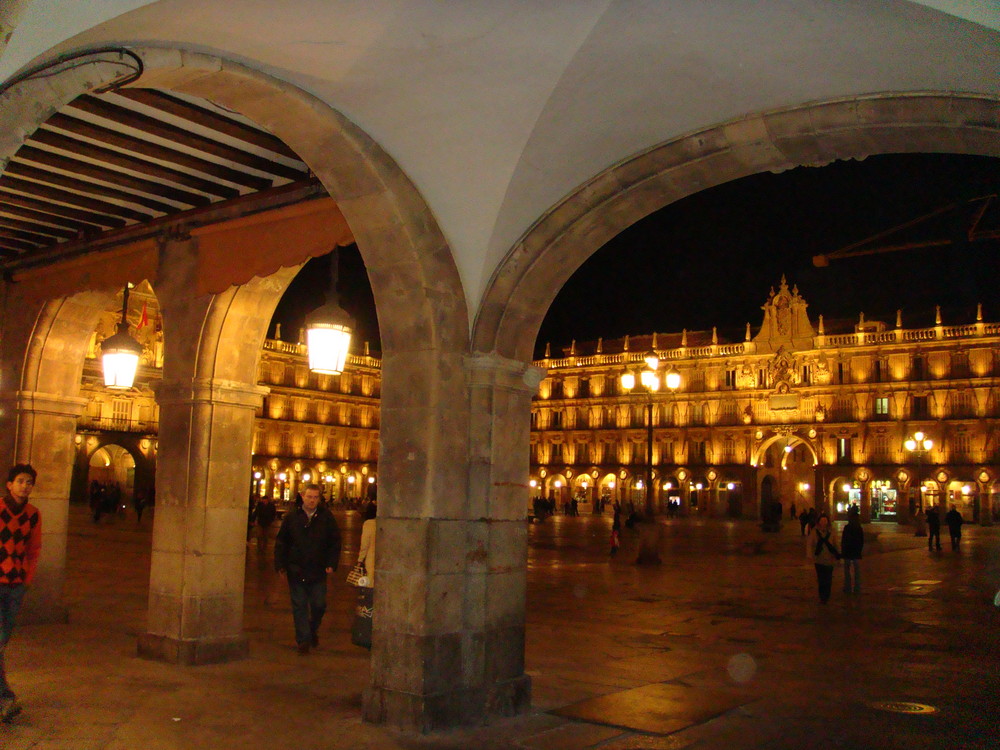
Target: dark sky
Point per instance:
(710, 259)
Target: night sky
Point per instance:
(710, 259)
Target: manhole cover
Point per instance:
(904, 707)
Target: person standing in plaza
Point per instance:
(20, 544)
(265, 514)
(361, 631)
(852, 541)
(933, 528)
(954, 520)
(616, 530)
(306, 549)
(824, 555)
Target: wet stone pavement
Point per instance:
(724, 645)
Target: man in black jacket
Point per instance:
(307, 549)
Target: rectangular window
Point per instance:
(557, 420)
(877, 372)
(762, 378)
(805, 374)
(882, 407)
(121, 413)
(731, 378)
(729, 451)
(844, 450)
(920, 410)
(919, 369)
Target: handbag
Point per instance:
(361, 627)
(357, 572)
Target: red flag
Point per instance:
(143, 318)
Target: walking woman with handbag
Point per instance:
(361, 631)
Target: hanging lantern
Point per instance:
(328, 329)
(120, 353)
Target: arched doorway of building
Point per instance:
(963, 495)
(608, 490)
(731, 497)
(111, 478)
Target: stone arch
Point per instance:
(793, 440)
(526, 282)
(425, 425)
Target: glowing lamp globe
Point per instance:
(120, 359)
(328, 343)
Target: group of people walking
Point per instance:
(823, 552)
(953, 519)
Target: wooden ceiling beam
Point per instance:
(11, 199)
(16, 245)
(161, 129)
(29, 226)
(44, 218)
(127, 161)
(65, 181)
(40, 240)
(9, 184)
(97, 172)
(152, 150)
(177, 107)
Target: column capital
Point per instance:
(43, 403)
(210, 391)
(492, 369)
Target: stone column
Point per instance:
(866, 500)
(450, 592)
(199, 533)
(985, 503)
(39, 429)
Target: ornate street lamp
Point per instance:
(918, 445)
(650, 382)
(328, 329)
(120, 353)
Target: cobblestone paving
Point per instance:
(722, 646)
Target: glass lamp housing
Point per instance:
(120, 359)
(673, 380)
(328, 344)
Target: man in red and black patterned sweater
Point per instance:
(20, 543)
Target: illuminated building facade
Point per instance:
(311, 428)
(799, 414)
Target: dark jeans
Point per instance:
(10, 604)
(308, 608)
(824, 577)
(852, 566)
(933, 535)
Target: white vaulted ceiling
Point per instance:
(498, 110)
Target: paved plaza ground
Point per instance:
(723, 646)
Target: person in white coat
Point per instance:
(361, 631)
(366, 554)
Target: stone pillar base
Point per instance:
(193, 653)
(426, 713)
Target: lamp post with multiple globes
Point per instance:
(649, 381)
(918, 445)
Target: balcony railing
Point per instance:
(110, 424)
